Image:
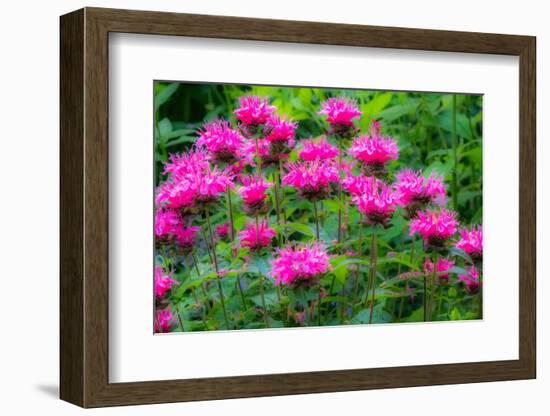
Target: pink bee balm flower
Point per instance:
(253, 110)
(357, 185)
(443, 265)
(415, 192)
(221, 140)
(176, 194)
(376, 202)
(256, 238)
(253, 193)
(435, 226)
(181, 164)
(470, 280)
(312, 179)
(167, 222)
(164, 320)
(374, 152)
(340, 111)
(471, 242)
(180, 190)
(321, 150)
(279, 129)
(185, 237)
(222, 230)
(300, 264)
(163, 282)
(211, 183)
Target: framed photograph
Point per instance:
(256, 207)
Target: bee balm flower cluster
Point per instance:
(225, 202)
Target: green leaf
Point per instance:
(165, 127)
(462, 125)
(455, 315)
(361, 317)
(396, 111)
(165, 94)
(416, 316)
(460, 253)
(295, 226)
(260, 265)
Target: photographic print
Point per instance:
(286, 206)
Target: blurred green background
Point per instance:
(436, 132)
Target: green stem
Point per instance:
(455, 158)
(342, 304)
(281, 199)
(179, 316)
(230, 209)
(401, 306)
(276, 197)
(339, 191)
(429, 298)
(316, 219)
(425, 299)
(201, 313)
(238, 282)
(319, 307)
(222, 301)
(207, 244)
(218, 278)
(480, 293)
(204, 292)
(355, 292)
(263, 300)
(439, 302)
(373, 260)
(258, 158)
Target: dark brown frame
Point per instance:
(84, 209)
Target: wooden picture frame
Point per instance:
(84, 207)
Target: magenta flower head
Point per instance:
(180, 190)
(376, 202)
(210, 184)
(253, 110)
(176, 194)
(256, 238)
(317, 150)
(374, 152)
(300, 265)
(164, 320)
(357, 185)
(279, 129)
(254, 194)
(222, 230)
(163, 282)
(414, 191)
(471, 242)
(470, 280)
(311, 179)
(443, 264)
(181, 164)
(167, 222)
(340, 113)
(435, 226)
(185, 237)
(221, 141)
